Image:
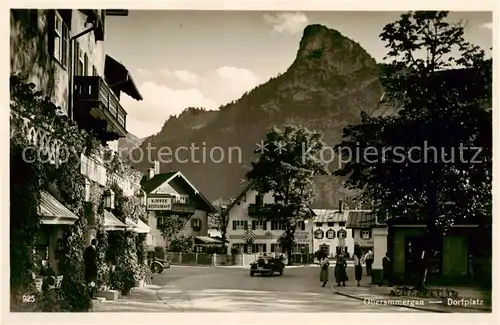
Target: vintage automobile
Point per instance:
(156, 264)
(267, 265)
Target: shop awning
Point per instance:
(117, 74)
(112, 223)
(142, 228)
(205, 240)
(131, 225)
(54, 212)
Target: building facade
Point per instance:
(171, 194)
(361, 223)
(247, 234)
(61, 51)
(330, 233)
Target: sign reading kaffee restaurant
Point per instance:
(159, 203)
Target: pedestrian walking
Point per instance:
(387, 271)
(368, 260)
(340, 271)
(90, 262)
(358, 268)
(324, 264)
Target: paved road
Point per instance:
(219, 289)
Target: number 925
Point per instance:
(28, 298)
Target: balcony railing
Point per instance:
(93, 170)
(95, 89)
(123, 183)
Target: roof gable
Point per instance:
(361, 219)
(160, 179)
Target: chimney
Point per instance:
(150, 173)
(156, 167)
(340, 206)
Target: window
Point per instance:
(259, 248)
(59, 41)
(301, 225)
(341, 234)
(259, 200)
(259, 225)
(276, 248)
(331, 224)
(94, 71)
(275, 225)
(159, 222)
(330, 234)
(86, 65)
(319, 224)
(79, 60)
(196, 224)
(318, 234)
(182, 199)
(240, 225)
(342, 224)
(365, 234)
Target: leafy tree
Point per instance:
(184, 244)
(171, 226)
(443, 85)
(220, 220)
(286, 167)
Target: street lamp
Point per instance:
(109, 199)
(142, 196)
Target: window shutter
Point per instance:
(245, 225)
(352, 232)
(51, 16)
(264, 248)
(264, 225)
(234, 224)
(303, 225)
(85, 65)
(254, 225)
(193, 223)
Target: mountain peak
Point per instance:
(322, 43)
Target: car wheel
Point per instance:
(252, 273)
(281, 272)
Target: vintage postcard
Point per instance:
(250, 161)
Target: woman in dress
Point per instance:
(358, 268)
(323, 275)
(340, 271)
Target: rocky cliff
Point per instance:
(331, 80)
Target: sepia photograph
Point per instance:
(188, 161)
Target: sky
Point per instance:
(206, 59)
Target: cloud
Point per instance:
(183, 76)
(487, 25)
(147, 116)
(144, 73)
(161, 100)
(290, 22)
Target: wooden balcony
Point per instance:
(97, 107)
(257, 210)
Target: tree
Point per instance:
(286, 166)
(443, 84)
(219, 220)
(171, 226)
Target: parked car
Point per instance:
(267, 265)
(156, 264)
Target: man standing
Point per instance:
(90, 261)
(369, 262)
(387, 270)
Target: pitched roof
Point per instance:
(239, 197)
(361, 219)
(159, 179)
(327, 215)
(156, 181)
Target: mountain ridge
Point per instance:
(331, 80)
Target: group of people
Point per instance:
(340, 271)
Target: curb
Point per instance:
(409, 307)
